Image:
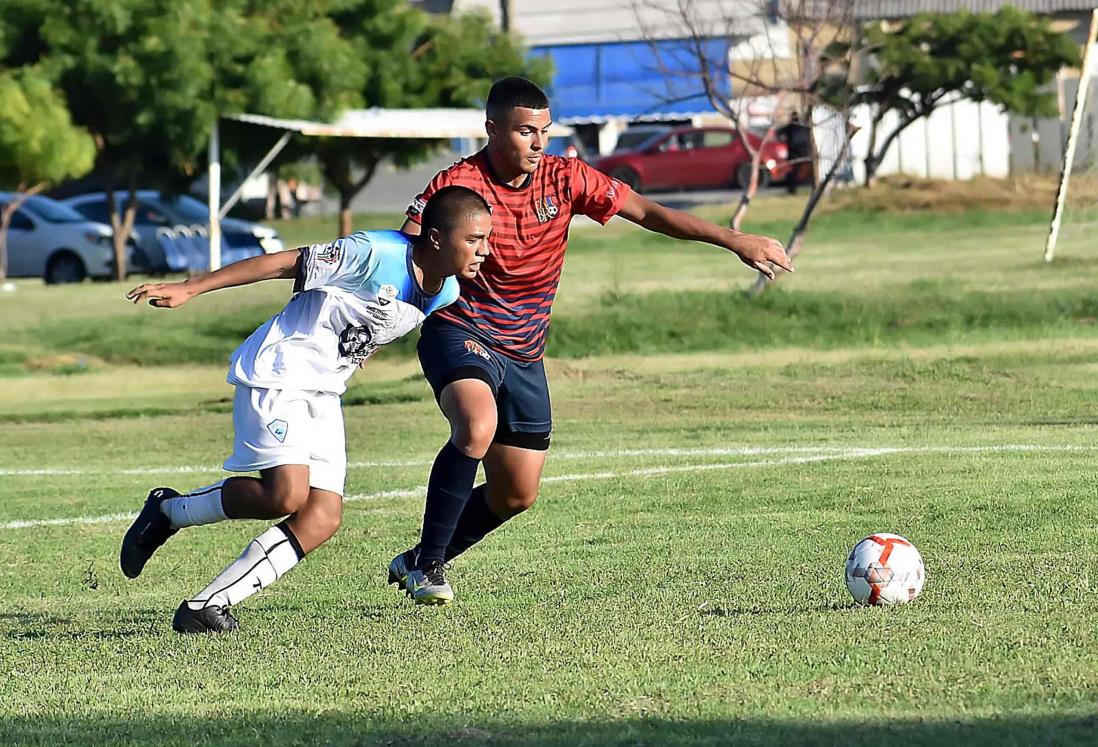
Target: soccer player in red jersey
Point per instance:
(483, 354)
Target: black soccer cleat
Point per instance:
(149, 531)
(212, 619)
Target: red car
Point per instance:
(695, 157)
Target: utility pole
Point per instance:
(505, 8)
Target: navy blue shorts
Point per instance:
(448, 353)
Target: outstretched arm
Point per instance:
(252, 270)
(757, 252)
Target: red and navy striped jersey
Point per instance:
(507, 305)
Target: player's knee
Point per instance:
(474, 438)
(287, 499)
(515, 502)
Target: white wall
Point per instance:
(946, 145)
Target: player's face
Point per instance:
(521, 139)
(465, 246)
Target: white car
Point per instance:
(50, 240)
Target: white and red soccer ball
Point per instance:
(884, 569)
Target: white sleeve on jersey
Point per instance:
(346, 264)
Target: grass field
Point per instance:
(679, 581)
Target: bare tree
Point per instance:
(695, 65)
(798, 54)
(827, 46)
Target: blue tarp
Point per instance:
(593, 82)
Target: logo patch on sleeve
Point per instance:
(477, 349)
(279, 429)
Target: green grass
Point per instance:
(679, 580)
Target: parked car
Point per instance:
(635, 137)
(50, 240)
(567, 147)
(689, 157)
(158, 210)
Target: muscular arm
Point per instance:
(410, 227)
(252, 270)
(757, 252)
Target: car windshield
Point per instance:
(52, 210)
(638, 139)
(188, 207)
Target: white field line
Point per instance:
(828, 454)
(554, 456)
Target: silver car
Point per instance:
(50, 240)
(240, 239)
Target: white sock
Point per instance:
(265, 560)
(200, 506)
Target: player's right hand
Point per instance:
(161, 295)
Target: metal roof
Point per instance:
(542, 23)
(905, 8)
(389, 123)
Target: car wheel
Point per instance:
(743, 176)
(627, 177)
(65, 267)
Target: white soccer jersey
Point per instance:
(354, 295)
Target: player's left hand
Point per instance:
(161, 295)
(760, 253)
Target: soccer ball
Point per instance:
(884, 569)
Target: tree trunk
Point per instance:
(741, 210)
(21, 195)
(345, 214)
(796, 239)
(5, 222)
(752, 186)
(338, 174)
(870, 161)
(122, 226)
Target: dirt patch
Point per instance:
(908, 194)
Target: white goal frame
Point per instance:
(1073, 140)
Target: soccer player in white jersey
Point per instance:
(351, 297)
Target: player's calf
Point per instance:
(265, 560)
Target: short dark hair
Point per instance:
(512, 93)
(449, 206)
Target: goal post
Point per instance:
(1073, 139)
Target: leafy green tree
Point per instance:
(39, 145)
(410, 60)
(1006, 58)
(143, 87)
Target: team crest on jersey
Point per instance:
(357, 343)
(476, 348)
(329, 254)
(279, 429)
(386, 293)
(545, 209)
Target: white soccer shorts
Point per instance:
(273, 427)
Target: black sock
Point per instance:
(448, 490)
(476, 521)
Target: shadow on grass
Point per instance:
(784, 611)
(362, 729)
(36, 619)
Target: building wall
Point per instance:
(959, 141)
